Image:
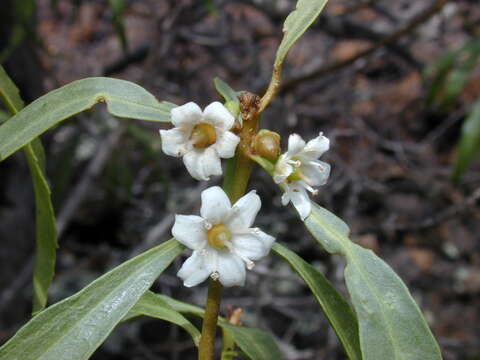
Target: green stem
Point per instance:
(235, 184)
(237, 175)
(209, 326)
(228, 346)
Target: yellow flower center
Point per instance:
(218, 235)
(296, 175)
(203, 135)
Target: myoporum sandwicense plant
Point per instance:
(379, 321)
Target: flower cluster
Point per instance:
(222, 239)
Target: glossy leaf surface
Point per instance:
(296, 23)
(257, 344)
(391, 325)
(46, 231)
(469, 144)
(74, 327)
(337, 310)
(123, 99)
(153, 306)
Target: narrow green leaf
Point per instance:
(232, 103)
(225, 90)
(4, 116)
(337, 310)
(296, 23)
(153, 306)
(46, 229)
(390, 323)
(450, 73)
(469, 144)
(118, 8)
(257, 344)
(459, 76)
(123, 99)
(9, 93)
(74, 327)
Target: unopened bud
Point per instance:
(267, 144)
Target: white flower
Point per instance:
(298, 170)
(222, 239)
(202, 138)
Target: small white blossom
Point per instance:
(202, 138)
(299, 169)
(222, 239)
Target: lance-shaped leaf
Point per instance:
(4, 116)
(336, 308)
(296, 23)
(226, 91)
(153, 306)
(46, 231)
(255, 343)
(74, 327)
(391, 325)
(232, 103)
(469, 144)
(123, 99)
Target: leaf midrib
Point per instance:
(348, 254)
(93, 309)
(32, 125)
(332, 319)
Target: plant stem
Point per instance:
(209, 326)
(235, 184)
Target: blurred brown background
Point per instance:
(358, 75)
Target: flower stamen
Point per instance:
(218, 236)
(296, 163)
(215, 275)
(207, 225)
(203, 135)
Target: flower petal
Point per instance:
(216, 206)
(211, 162)
(316, 173)
(226, 144)
(201, 164)
(190, 231)
(316, 147)
(174, 141)
(295, 145)
(186, 116)
(192, 162)
(253, 246)
(282, 169)
(231, 269)
(218, 115)
(286, 198)
(193, 270)
(245, 210)
(300, 199)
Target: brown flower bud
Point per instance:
(267, 144)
